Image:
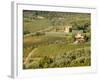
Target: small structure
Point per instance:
(79, 38)
(68, 29)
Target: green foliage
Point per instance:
(45, 62)
(77, 20)
(54, 47)
(33, 65)
(82, 61)
(26, 32)
(77, 57)
(36, 25)
(81, 25)
(40, 33)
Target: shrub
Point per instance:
(82, 61)
(78, 57)
(45, 62)
(26, 32)
(40, 33)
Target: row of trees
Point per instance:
(82, 25)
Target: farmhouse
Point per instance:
(68, 29)
(79, 38)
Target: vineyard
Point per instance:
(46, 45)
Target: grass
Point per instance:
(36, 25)
(52, 49)
(55, 50)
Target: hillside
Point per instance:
(56, 39)
(42, 19)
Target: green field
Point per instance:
(46, 45)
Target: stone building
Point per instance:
(68, 29)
